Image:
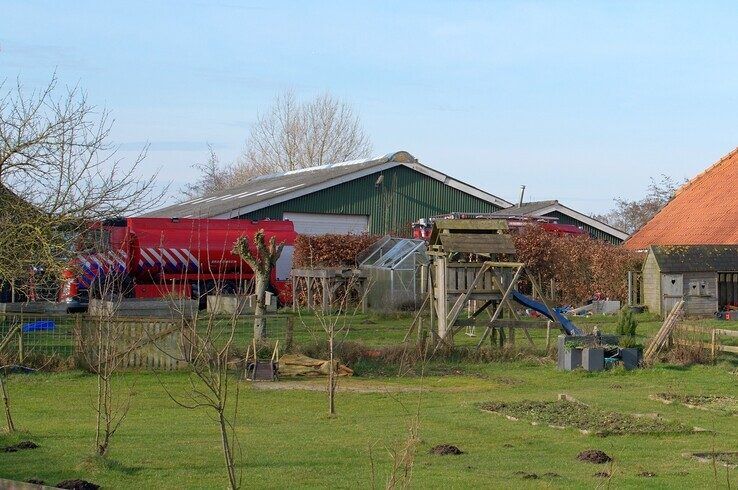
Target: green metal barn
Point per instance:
(382, 195)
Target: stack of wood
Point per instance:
(664, 333)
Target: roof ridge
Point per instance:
(697, 177)
(684, 187)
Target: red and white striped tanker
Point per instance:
(156, 257)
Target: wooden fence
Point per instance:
(134, 344)
(707, 338)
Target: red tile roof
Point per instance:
(703, 212)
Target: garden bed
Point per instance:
(713, 403)
(563, 414)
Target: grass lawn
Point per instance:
(289, 441)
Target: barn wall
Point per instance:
(700, 293)
(403, 197)
(651, 284)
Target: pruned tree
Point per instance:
(59, 173)
(207, 345)
(629, 216)
(290, 135)
(261, 260)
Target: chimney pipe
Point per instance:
(522, 195)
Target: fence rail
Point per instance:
(707, 338)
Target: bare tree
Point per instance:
(629, 216)
(261, 261)
(290, 135)
(214, 176)
(207, 347)
(58, 173)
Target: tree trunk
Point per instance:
(331, 377)
(227, 451)
(260, 309)
(6, 403)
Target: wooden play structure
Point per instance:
(473, 267)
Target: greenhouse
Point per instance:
(394, 266)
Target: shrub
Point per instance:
(579, 265)
(330, 250)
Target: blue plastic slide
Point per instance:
(534, 305)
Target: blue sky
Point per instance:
(579, 101)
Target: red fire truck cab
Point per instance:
(158, 257)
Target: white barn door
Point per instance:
(320, 223)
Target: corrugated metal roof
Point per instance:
(696, 258)
(704, 211)
(268, 190)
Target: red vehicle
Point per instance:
(157, 257)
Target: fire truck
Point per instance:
(159, 257)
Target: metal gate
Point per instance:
(672, 290)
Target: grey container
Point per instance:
(563, 339)
(631, 357)
(593, 359)
(572, 359)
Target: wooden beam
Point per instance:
(456, 310)
(499, 306)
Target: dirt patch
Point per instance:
(551, 474)
(729, 458)
(446, 450)
(77, 485)
(602, 474)
(589, 420)
(20, 446)
(715, 403)
(508, 381)
(594, 456)
(321, 386)
(35, 481)
(647, 474)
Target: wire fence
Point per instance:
(33, 338)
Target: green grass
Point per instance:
(289, 441)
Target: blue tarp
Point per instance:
(39, 326)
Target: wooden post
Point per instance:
(327, 296)
(294, 293)
(441, 296)
(309, 292)
(548, 335)
(630, 288)
(713, 346)
(21, 354)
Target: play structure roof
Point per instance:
(704, 211)
(696, 258)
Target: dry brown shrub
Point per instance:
(330, 250)
(579, 265)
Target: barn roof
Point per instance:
(696, 258)
(703, 211)
(267, 190)
(542, 208)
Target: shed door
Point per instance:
(320, 224)
(672, 290)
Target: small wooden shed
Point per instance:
(704, 276)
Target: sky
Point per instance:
(579, 101)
